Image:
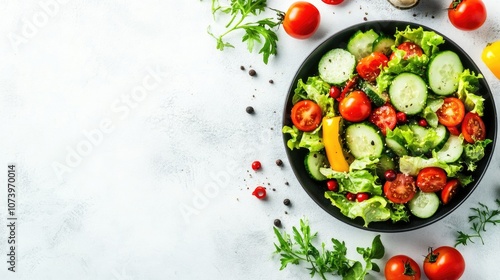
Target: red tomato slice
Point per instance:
(449, 191)
(473, 128)
(452, 112)
(306, 115)
(410, 49)
(454, 130)
(384, 117)
(401, 190)
(369, 67)
(431, 179)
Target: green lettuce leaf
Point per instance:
(399, 212)
(360, 177)
(412, 165)
(398, 65)
(474, 153)
(415, 143)
(468, 85)
(373, 209)
(429, 41)
(317, 90)
(429, 113)
(309, 140)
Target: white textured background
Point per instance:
(164, 189)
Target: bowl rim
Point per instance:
(485, 162)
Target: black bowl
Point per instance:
(316, 189)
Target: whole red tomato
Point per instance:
(301, 20)
(333, 2)
(401, 267)
(355, 107)
(444, 263)
(467, 14)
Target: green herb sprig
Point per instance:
(482, 217)
(323, 261)
(260, 31)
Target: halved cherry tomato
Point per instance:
(384, 117)
(410, 49)
(301, 20)
(401, 267)
(369, 67)
(400, 190)
(452, 112)
(306, 115)
(355, 107)
(467, 14)
(449, 190)
(431, 179)
(454, 130)
(444, 263)
(473, 128)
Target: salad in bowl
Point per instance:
(389, 126)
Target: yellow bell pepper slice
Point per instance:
(333, 146)
(491, 57)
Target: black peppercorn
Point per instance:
(250, 110)
(277, 222)
(279, 162)
(286, 201)
(252, 72)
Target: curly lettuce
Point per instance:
(299, 139)
(317, 90)
(468, 85)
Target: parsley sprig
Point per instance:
(299, 248)
(483, 216)
(260, 31)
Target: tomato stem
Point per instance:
(431, 257)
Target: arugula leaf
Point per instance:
(482, 217)
(299, 248)
(256, 32)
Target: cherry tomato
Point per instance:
(256, 165)
(400, 190)
(369, 67)
(453, 130)
(410, 49)
(452, 112)
(355, 107)
(444, 263)
(350, 196)
(431, 179)
(467, 14)
(491, 57)
(449, 191)
(260, 192)
(401, 267)
(362, 196)
(332, 185)
(306, 115)
(333, 2)
(335, 92)
(384, 117)
(473, 128)
(401, 117)
(301, 20)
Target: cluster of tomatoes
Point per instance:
(441, 263)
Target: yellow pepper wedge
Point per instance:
(491, 57)
(333, 146)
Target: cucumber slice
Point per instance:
(396, 147)
(408, 93)
(443, 72)
(442, 136)
(452, 149)
(424, 204)
(374, 94)
(361, 43)
(364, 140)
(385, 163)
(313, 162)
(383, 44)
(336, 66)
